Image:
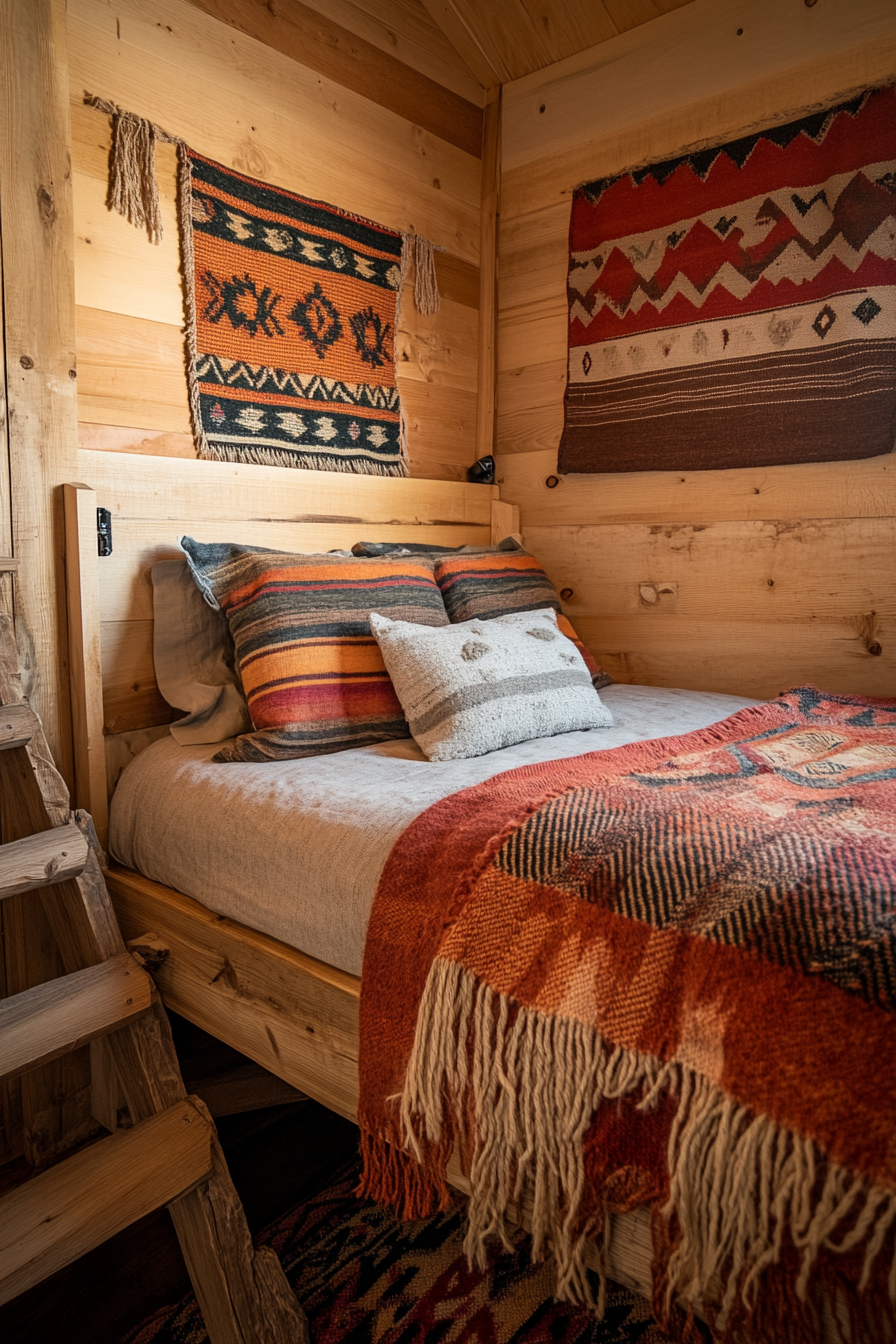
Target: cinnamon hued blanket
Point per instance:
(663, 974)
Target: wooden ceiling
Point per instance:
(468, 45)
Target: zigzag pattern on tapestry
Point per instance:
(737, 306)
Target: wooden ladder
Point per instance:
(171, 1155)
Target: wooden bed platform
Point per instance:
(292, 1014)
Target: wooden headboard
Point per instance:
(153, 501)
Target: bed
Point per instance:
(230, 961)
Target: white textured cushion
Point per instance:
(477, 686)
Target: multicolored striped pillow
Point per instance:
(312, 672)
(485, 586)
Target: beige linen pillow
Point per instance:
(479, 685)
(194, 659)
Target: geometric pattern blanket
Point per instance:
(292, 316)
(737, 306)
(661, 975)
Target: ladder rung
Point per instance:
(66, 1211)
(41, 859)
(58, 1016)
(18, 724)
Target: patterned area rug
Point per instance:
(363, 1277)
(737, 307)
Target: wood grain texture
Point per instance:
(488, 273)
(35, 185)
(749, 607)
(57, 1017)
(295, 1016)
(403, 28)
(264, 114)
(130, 317)
(692, 58)
(153, 501)
(776, 575)
(863, 489)
(82, 597)
(511, 38)
(18, 723)
(316, 41)
(39, 859)
(75, 1206)
(462, 37)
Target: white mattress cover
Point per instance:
(295, 849)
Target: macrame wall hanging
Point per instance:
(291, 309)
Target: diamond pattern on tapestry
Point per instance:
(293, 307)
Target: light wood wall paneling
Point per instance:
(752, 658)
(673, 600)
(263, 113)
(132, 378)
(82, 596)
(131, 371)
(864, 489)
(35, 184)
(121, 439)
(11, 1137)
(488, 272)
(773, 575)
(695, 78)
(36, 226)
(403, 28)
(130, 311)
(316, 41)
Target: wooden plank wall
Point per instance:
(248, 105)
(741, 581)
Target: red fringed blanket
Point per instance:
(666, 975)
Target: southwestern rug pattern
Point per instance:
(364, 1278)
(737, 306)
(661, 975)
(292, 314)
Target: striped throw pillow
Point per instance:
(312, 673)
(481, 685)
(487, 586)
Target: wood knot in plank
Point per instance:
(46, 205)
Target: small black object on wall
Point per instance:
(104, 532)
(482, 471)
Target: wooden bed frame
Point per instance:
(292, 1014)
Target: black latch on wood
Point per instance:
(103, 532)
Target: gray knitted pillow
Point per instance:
(480, 685)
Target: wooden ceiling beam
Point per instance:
(317, 42)
(464, 39)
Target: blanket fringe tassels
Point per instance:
(517, 1090)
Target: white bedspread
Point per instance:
(295, 848)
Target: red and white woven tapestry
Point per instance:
(737, 306)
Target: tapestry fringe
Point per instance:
(518, 1090)
(133, 189)
(283, 457)
(421, 251)
(134, 193)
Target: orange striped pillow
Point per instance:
(311, 670)
(499, 584)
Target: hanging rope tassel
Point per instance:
(426, 286)
(133, 190)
